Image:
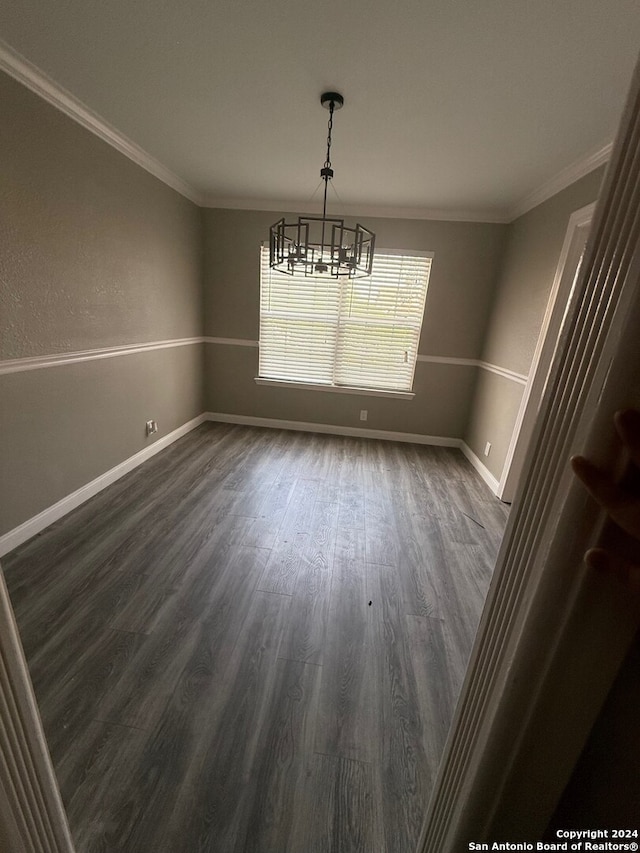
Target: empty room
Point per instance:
(281, 293)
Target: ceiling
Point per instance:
(450, 105)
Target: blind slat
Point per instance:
(361, 332)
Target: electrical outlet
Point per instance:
(487, 448)
(364, 414)
(152, 426)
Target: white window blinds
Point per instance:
(360, 333)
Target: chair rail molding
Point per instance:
(559, 297)
(553, 635)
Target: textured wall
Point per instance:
(95, 252)
(439, 408)
(528, 268)
(530, 260)
(467, 257)
(465, 266)
(64, 426)
(493, 412)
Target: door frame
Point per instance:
(553, 634)
(32, 817)
(563, 282)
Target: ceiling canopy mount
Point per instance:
(322, 245)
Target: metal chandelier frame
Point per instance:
(322, 245)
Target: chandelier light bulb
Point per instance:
(322, 245)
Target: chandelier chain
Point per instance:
(317, 245)
(327, 162)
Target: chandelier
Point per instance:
(324, 245)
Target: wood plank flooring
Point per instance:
(255, 641)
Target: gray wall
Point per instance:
(531, 255)
(95, 253)
(98, 253)
(465, 266)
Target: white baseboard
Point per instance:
(332, 429)
(384, 435)
(34, 525)
(481, 468)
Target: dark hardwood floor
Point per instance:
(254, 641)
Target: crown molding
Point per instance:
(562, 180)
(554, 185)
(362, 211)
(16, 66)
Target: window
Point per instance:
(343, 333)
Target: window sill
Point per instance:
(338, 389)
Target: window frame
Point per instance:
(293, 383)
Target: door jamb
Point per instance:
(32, 816)
(547, 340)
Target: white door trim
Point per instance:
(32, 816)
(577, 231)
(553, 635)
